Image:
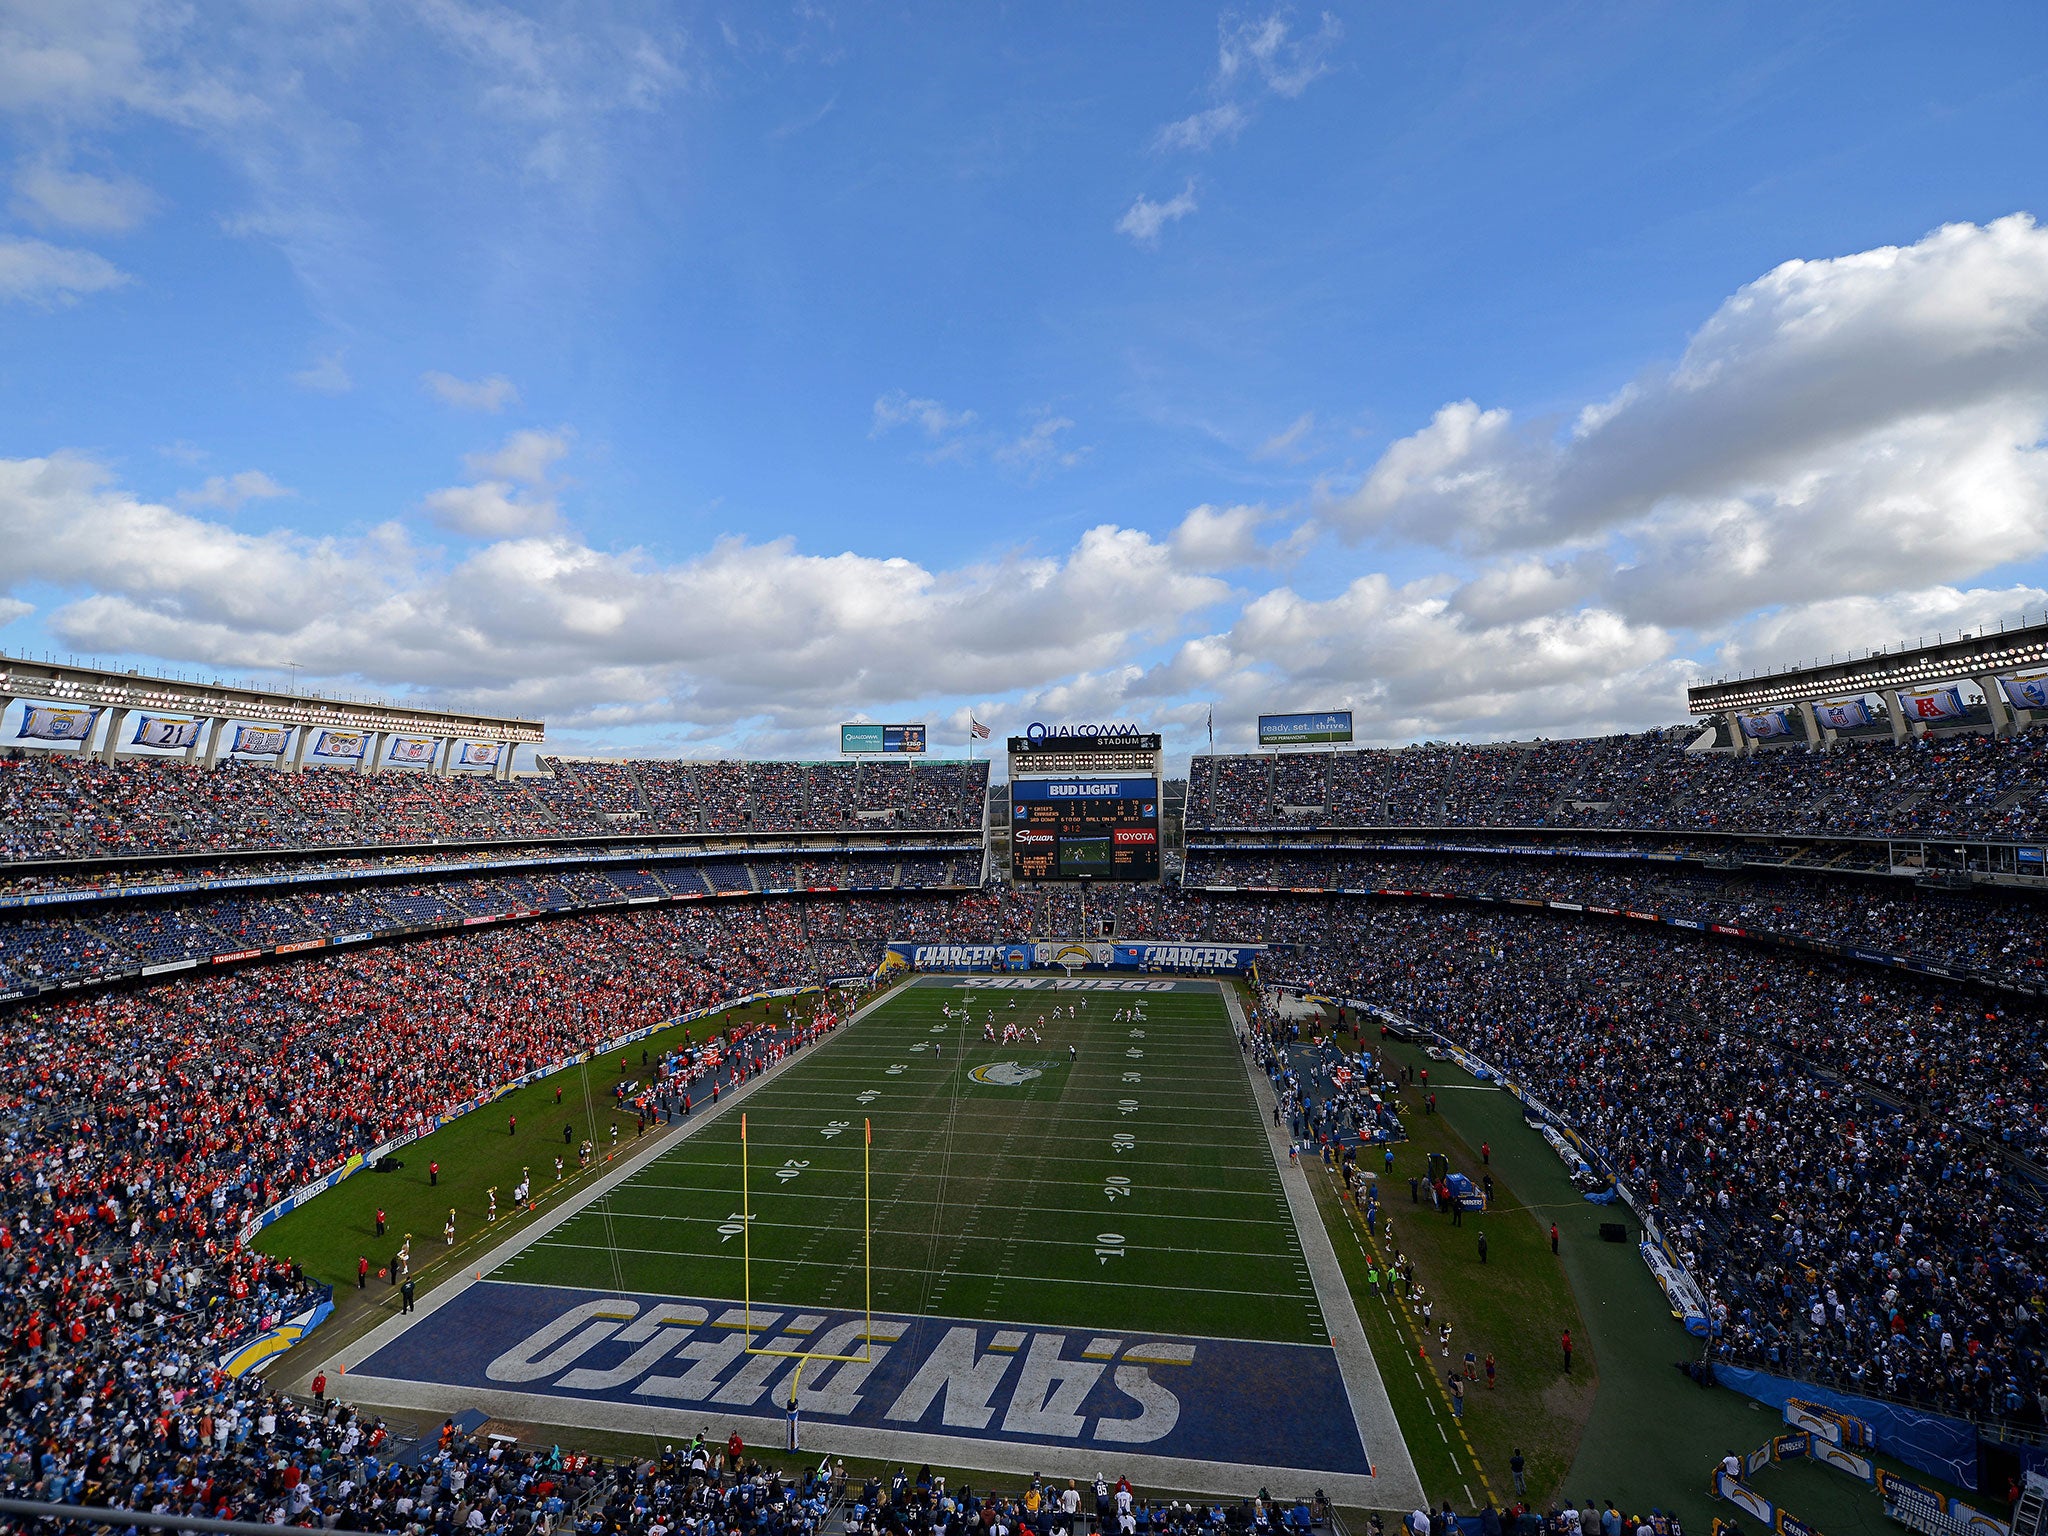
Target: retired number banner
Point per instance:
(156, 731)
(262, 740)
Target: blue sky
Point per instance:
(699, 377)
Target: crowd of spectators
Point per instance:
(56, 806)
(1961, 785)
(1833, 1152)
(1998, 935)
(41, 946)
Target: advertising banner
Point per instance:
(156, 731)
(479, 754)
(1332, 725)
(1933, 703)
(262, 740)
(55, 722)
(409, 749)
(1031, 790)
(349, 745)
(859, 739)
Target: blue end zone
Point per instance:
(1277, 1405)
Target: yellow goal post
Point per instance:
(804, 1357)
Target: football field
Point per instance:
(1111, 1173)
(1081, 1237)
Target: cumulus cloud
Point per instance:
(1862, 423)
(35, 272)
(492, 394)
(1144, 219)
(230, 493)
(51, 196)
(550, 623)
(513, 491)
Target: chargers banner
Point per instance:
(344, 744)
(2027, 692)
(156, 731)
(262, 740)
(1765, 726)
(1076, 955)
(409, 749)
(1844, 715)
(49, 722)
(478, 754)
(1933, 704)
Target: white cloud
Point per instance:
(1039, 448)
(12, 608)
(898, 408)
(513, 493)
(738, 631)
(1268, 47)
(35, 272)
(1282, 444)
(1213, 538)
(492, 394)
(1861, 424)
(958, 437)
(1144, 219)
(1199, 130)
(328, 376)
(49, 196)
(230, 493)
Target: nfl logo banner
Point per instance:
(1934, 704)
(478, 754)
(262, 740)
(156, 731)
(1843, 715)
(409, 749)
(343, 744)
(1765, 726)
(2027, 692)
(49, 722)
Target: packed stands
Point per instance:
(1964, 786)
(1998, 936)
(54, 806)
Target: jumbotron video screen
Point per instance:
(1104, 828)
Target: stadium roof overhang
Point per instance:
(101, 687)
(1985, 653)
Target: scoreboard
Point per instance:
(1104, 828)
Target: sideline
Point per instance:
(1395, 1480)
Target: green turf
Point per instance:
(989, 1201)
(478, 1153)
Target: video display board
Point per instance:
(881, 738)
(1330, 726)
(1105, 828)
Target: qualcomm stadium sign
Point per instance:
(1038, 730)
(1201, 959)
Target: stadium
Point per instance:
(825, 769)
(1330, 1134)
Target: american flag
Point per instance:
(977, 729)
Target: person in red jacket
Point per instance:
(320, 1387)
